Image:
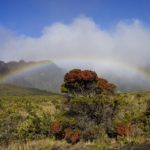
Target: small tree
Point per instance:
(85, 82)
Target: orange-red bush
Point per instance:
(124, 130)
(56, 127)
(86, 82)
(72, 136)
(78, 75)
(105, 86)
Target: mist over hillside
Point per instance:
(42, 75)
(47, 75)
(127, 77)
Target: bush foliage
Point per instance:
(86, 82)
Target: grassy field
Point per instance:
(26, 116)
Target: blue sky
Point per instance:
(106, 30)
(29, 17)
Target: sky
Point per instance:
(29, 17)
(76, 30)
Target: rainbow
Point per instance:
(94, 64)
(23, 69)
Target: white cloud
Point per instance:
(128, 42)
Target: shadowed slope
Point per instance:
(13, 90)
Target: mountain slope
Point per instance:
(13, 90)
(43, 75)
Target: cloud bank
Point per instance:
(127, 41)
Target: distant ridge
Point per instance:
(44, 75)
(13, 66)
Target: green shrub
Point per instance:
(98, 109)
(102, 142)
(35, 126)
(84, 122)
(8, 127)
(68, 122)
(91, 133)
(145, 119)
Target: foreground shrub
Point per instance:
(124, 130)
(68, 122)
(72, 136)
(84, 122)
(69, 134)
(34, 126)
(8, 125)
(90, 134)
(102, 142)
(58, 127)
(99, 109)
(57, 130)
(145, 119)
(90, 112)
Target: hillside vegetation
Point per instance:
(13, 90)
(26, 122)
(91, 115)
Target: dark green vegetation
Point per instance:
(13, 90)
(26, 117)
(108, 122)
